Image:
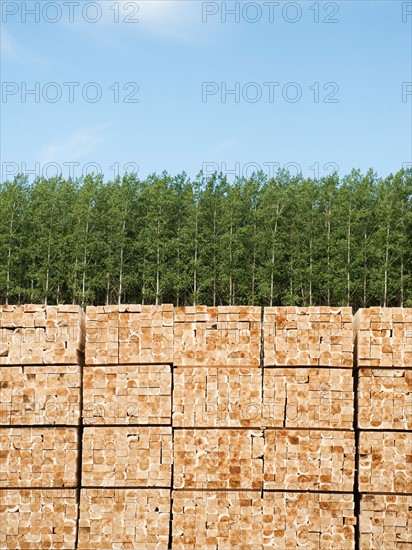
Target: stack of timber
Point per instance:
(386, 522)
(250, 520)
(299, 336)
(40, 377)
(308, 397)
(124, 518)
(41, 335)
(317, 460)
(384, 352)
(218, 459)
(385, 399)
(217, 336)
(126, 456)
(38, 518)
(40, 395)
(129, 334)
(213, 397)
(384, 337)
(127, 394)
(308, 389)
(217, 415)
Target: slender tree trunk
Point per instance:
(158, 264)
(144, 280)
(75, 295)
(348, 259)
(310, 269)
(230, 267)
(328, 253)
(402, 283)
(195, 260)
(365, 284)
(272, 271)
(254, 263)
(86, 238)
(121, 261)
(9, 256)
(385, 288)
(107, 289)
(214, 257)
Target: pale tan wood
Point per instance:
(129, 334)
(385, 522)
(38, 457)
(124, 518)
(385, 462)
(246, 520)
(38, 519)
(308, 397)
(38, 334)
(127, 456)
(316, 460)
(384, 337)
(385, 399)
(40, 395)
(217, 397)
(127, 394)
(218, 459)
(303, 336)
(217, 336)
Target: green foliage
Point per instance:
(286, 240)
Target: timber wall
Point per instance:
(132, 426)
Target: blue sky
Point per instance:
(309, 95)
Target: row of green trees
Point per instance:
(286, 240)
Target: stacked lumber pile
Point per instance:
(217, 415)
(385, 460)
(40, 395)
(129, 334)
(385, 399)
(384, 352)
(41, 353)
(309, 436)
(298, 336)
(126, 457)
(192, 435)
(386, 522)
(127, 394)
(217, 336)
(124, 518)
(231, 448)
(302, 397)
(41, 335)
(38, 518)
(384, 337)
(217, 397)
(218, 459)
(38, 457)
(246, 519)
(318, 460)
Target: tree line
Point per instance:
(286, 240)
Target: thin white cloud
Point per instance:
(175, 20)
(221, 146)
(78, 145)
(9, 47)
(170, 18)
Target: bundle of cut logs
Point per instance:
(205, 427)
